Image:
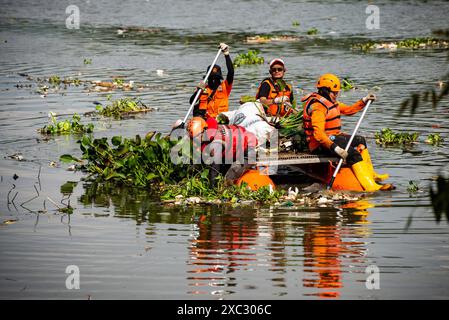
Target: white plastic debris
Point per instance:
(292, 192)
(323, 200)
(160, 72)
(194, 200)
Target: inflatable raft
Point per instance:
(317, 167)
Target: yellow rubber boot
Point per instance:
(367, 158)
(364, 175)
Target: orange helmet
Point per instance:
(196, 126)
(330, 81)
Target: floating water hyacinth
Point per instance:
(251, 57)
(71, 126)
(387, 137)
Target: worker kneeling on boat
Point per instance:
(322, 126)
(227, 149)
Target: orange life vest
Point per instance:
(275, 91)
(333, 122)
(215, 102)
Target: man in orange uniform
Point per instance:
(214, 98)
(274, 93)
(322, 125)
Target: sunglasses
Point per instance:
(277, 69)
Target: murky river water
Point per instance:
(128, 246)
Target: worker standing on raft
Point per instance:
(274, 93)
(322, 124)
(214, 98)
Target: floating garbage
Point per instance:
(16, 156)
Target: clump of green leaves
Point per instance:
(412, 187)
(364, 46)
(411, 43)
(119, 81)
(147, 163)
(434, 139)
(245, 99)
(387, 137)
(312, 31)
(135, 162)
(251, 57)
(119, 108)
(418, 43)
(54, 81)
(66, 126)
(347, 84)
(296, 23)
(87, 61)
(199, 185)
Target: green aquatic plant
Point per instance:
(291, 129)
(119, 81)
(312, 31)
(54, 81)
(251, 57)
(364, 46)
(87, 61)
(295, 23)
(410, 43)
(417, 43)
(245, 99)
(347, 84)
(71, 126)
(412, 187)
(119, 108)
(199, 186)
(76, 82)
(434, 139)
(147, 163)
(387, 137)
(138, 162)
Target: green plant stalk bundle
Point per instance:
(291, 128)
